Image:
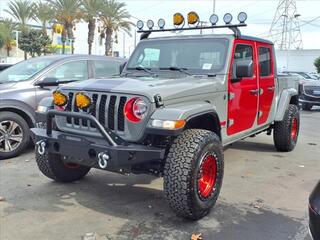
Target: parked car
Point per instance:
(309, 93)
(177, 103)
(4, 66)
(314, 213)
(23, 85)
(305, 75)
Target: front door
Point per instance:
(266, 81)
(243, 93)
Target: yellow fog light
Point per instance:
(59, 99)
(193, 18)
(82, 101)
(178, 19)
(168, 124)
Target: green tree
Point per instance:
(34, 42)
(91, 10)
(115, 17)
(317, 64)
(44, 13)
(67, 13)
(7, 28)
(22, 11)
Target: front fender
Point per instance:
(284, 102)
(19, 106)
(183, 111)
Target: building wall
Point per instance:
(297, 60)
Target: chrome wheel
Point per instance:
(11, 135)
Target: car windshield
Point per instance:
(195, 56)
(25, 70)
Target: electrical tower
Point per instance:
(285, 28)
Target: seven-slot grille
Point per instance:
(312, 91)
(107, 108)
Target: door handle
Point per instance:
(271, 89)
(255, 91)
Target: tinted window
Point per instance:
(77, 70)
(265, 61)
(195, 55)
(106, 68)
(242, 53)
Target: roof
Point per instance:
(58, 57)
(250, 38)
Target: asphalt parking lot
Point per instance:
(264, 196)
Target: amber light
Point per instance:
(178, 19)
(59, 99)
(82, 101)
(193, 18)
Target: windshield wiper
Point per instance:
(183, 70)
(140, 68)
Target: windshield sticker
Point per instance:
(207, 66)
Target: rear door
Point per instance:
(243, 95)
(266, 81)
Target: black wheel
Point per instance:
(53, 166)
(14, 135)
(193, 173)
(307, 106)
(286, 132)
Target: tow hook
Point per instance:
(41, 147)
(103, 160)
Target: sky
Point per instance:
(260, 16)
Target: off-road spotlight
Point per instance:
(161, 23)
(242, 17)
(193, 19)
(227, 18)
(140, 25)
(178, 20)
(150, 24)
(214, 19)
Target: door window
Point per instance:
(106, 68)
(243, 52)
(265, 64)
(74, 71)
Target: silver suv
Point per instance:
(23, 85)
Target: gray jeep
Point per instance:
(177, 103)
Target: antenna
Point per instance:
(285, 28)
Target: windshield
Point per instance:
(197, 56)
(25, 70)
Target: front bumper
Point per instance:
(87, 150)
(310, 100)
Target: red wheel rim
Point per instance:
(207, 178)
(294, 129)
(71, 165)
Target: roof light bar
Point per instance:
(193, 19)
(161, 23)
(227, 18)
(178, 20)
(214, 19)
(150, 24)
(140, 25)
(242, 17)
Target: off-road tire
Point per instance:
(181, 172)
(282, 137)
(306, 106)
(52, 166)
(10, 116)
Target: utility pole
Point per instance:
(213, 10)
(285, 28)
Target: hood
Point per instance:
(168, 88)
(311, 82)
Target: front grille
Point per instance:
(107, 108)
(313, 91)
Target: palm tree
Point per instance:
(6, 35)
(22, 11)
(91, 9)
(114, 17)
(68, 13)
(44, 14)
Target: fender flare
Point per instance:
(284, 102)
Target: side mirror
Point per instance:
(122, 66)
(244, 69)
(48, 82)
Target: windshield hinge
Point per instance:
(158, 100)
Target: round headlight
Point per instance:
(82, 101)
(242, 17)
(227, 18)
(161, 23)
(193, 18)
(150, 24)
(214, 19)
(178, 19)
(135, 109)
(59, 99)
(140, 25)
